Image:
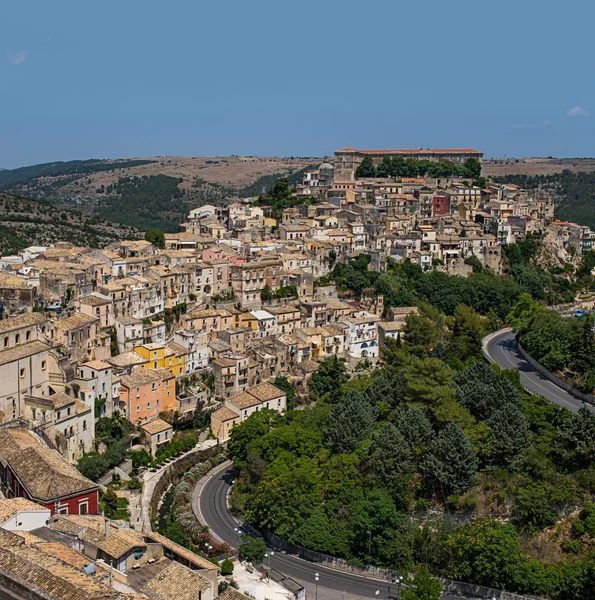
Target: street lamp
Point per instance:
(377, 593)
(398, 580)
(238, 534)
(316, 578)
(268, 557)
(342, 594)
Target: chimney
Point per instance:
(106, 528)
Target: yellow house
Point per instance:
(247, 319)
(160, 356)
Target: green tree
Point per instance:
(423, 587)
(468, 331)
(227, 567)
(319, 533)
(510, 433)
(421, 334)
(110, 503)
(156, 237)
(350, 422)
(286, 386)
(253, 549)
(485, 552)
(366, 168)
(472, 168)
(248, 432)
(388, 455)
(452, 463)
(415, 428)
(329, 377)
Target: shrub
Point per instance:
(227, 567)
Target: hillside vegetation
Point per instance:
(149, 193)
(25, 222)
(574, 193)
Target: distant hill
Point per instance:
(148, 193)
(574, 193)
(501, 167)
(25, 222)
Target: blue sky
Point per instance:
(129, 78)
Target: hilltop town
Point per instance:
(201, 328)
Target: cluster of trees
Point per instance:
(288, 291)
(561, 344)
(10, 177)
(574, 192)
(279, 197)
(406, 284)
(434, 427)
(146, 202)
(398, 167)
(114, 432)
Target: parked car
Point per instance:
(579, 313)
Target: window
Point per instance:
(83, 508)
(17, 338)
(6, 342)
(138, 408)
(148, 405)
(22, 373)
(138, 392)
(28, 335)
(62, 510)
(157, 403)
(84, 425)
(43, 365)
(153, 386)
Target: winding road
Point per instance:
(210, 498)
(211, 503)
(501, 347)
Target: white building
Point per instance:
(195, 343)
(129, 332)
(20, 514)
(361, 336)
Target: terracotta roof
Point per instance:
(37, 570)
(76, 321)
(98, 365)
(232, 594)
(26, 320)
(144, 376)
(127, 359)
(12, 506)
(121, 541)
(156, 426)
(176, 582)
(43, 472)
(22, 351)
(266, 391)
(414, 151)
(93, 300)
(225, 414)
(243, 400)
(186, 554)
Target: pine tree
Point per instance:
(510, 433)
(452, 463)
(415, 428)
(350, 422)
(386, 387)
(389, 454)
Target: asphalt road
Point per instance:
(215, 513)
(502, 349)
